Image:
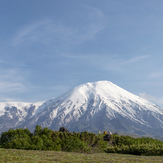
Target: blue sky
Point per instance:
(49, 46)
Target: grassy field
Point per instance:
(13, 155)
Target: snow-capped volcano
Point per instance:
(97, 106)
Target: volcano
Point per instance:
(97, 106)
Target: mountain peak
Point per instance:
(104, 89)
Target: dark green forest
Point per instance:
(85, 142)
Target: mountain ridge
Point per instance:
(95, 106)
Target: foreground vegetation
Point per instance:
(84, 142)
(137, 146)
(35, 156)
(46, 139)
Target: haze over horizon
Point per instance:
(48, 47)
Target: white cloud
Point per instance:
(120, 64)
(47, 31)
(134, 60)
(11, 87)
(6, 99)
(95, 23)
(147, 96)
(153, 75)
(158, 101)
(107, 62)
(30, 33)
(13, 80)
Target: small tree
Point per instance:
(38, 130)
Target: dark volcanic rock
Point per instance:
(63, 129)
(107, 137)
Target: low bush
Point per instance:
(74, 144)
(136, 146)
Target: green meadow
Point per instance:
(36, 156)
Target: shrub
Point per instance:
(18, 138)
(74, 144)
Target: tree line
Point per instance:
(47, 139)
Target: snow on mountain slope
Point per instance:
(99, 105)
(92, 106)
(15, 113)
(18, 105)
(43, 106)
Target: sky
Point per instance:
(50, 46)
